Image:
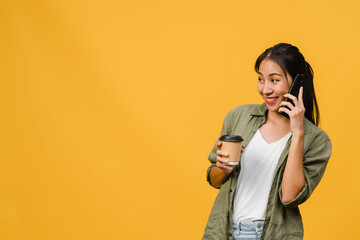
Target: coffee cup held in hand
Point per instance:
(231, 144)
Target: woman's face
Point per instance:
(272, 84)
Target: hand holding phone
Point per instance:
(294, 90)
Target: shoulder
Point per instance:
(313, 131)
(239, 117)
(316, 137)
(247, 109)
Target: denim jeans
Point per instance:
(247, 230)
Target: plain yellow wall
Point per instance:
(109, 110)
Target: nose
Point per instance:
(267, 88)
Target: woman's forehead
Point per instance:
(271, 68)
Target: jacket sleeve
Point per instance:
(212, 156)
(314, 164)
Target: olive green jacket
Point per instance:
(282, 220)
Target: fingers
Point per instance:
(300, 97)
(222, 160)
(298, 102)
(293, 98)
(288, 104)
(221, 153)
(285, 110)
(291, 110)
(226, 168)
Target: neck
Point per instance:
(277, 119)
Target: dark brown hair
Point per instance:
(293, 62)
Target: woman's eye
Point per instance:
(274, 80)
(260, 80)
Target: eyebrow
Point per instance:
(272, 74)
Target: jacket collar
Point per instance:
(259, 110)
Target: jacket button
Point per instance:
(230, 190)
(230, 234)
(262, 119)
(253, 131)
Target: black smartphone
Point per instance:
(294, 90)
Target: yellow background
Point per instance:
(109, 110)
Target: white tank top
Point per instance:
(258, 163)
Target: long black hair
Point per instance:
(293, 62)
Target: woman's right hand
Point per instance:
(221, 162)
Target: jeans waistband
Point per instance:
(245, 225)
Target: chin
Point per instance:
(272, 108)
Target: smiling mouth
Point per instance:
(271, 100)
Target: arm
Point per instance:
(220, 173)
(315, 160)
(218, 177)
(293, 179)
(303, 170)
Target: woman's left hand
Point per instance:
(296, 113)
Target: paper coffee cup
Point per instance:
(231, 144)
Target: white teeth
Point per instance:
(271, 99)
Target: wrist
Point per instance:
(298, 135)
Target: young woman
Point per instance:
(283, 159)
